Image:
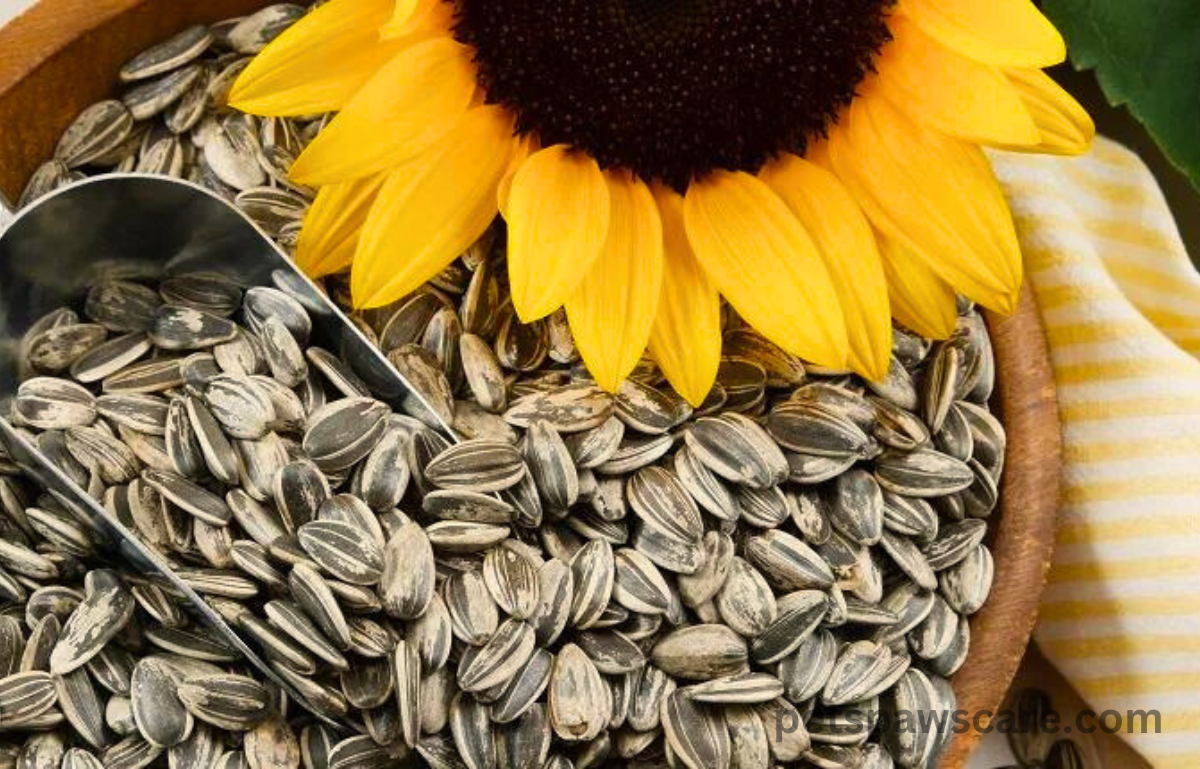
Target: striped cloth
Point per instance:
(1121, 305)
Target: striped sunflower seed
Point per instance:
(94, 133)
(512, 579)
(105, 609)
(341, 433)
(476, 465)
(737, 450)
(25, 696)
(550, 466)
(340, 549)
(697, 735)
(49, 403)
(232, 702)
(407, 579)
(109, 357)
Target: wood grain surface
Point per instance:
(1023, 530)
(63, 55)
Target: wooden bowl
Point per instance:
(63, 55)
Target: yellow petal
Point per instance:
(950, 92)
(527, 146)
(934, 192)
(1064, 126)
(557, 214)
(431, 209)
(319, 62)
(919, 298)
(332, 224)
(685, 340)
(1004, 32)
(847, 246)
(409, 16)
(612, 309)
(761, 259)
(407, 106)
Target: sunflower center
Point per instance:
(672, 89)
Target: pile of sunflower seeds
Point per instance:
(587, 577)
(172, 119)
(100, 668)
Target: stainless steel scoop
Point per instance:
(147, 226)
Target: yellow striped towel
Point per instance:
(1121, 305)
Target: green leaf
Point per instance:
(1146, 54)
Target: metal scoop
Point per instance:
(145, 226)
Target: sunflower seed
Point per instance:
(954, 542)
(638, 584)
(340, 549)
(106, 607)
(570, 409)
(318, 602)
(593, 572)
(556, 588)
(82, 707)
(661, 500)
(133, 752)
(806, 670)
(512, 581)
(474, 616)
(476, 465)
(148, 99)
(700, 652)
(168, 55)
(498, 660)
(189, 497)
(808, 428)
(341, 433)
(737, 450)
(122, 306)
(550, 466)
(922, 472)
(857, 507)
(666, 551)
(146, 377)
(787, 562)
(524, 687)
(57, 348)
(109, 357)
(698, 736)
(161, 718)
(44, 180)
(25, 696)
(578, 698)
(465, 537)
(78, 758)
(228, 702)
(966, 584)
(252, 33)
(797, 615)
(94, 133)
(48, 403)
(407, 579)
(271, 745)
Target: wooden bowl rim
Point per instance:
(1023, 537)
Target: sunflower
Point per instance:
(816, 163)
